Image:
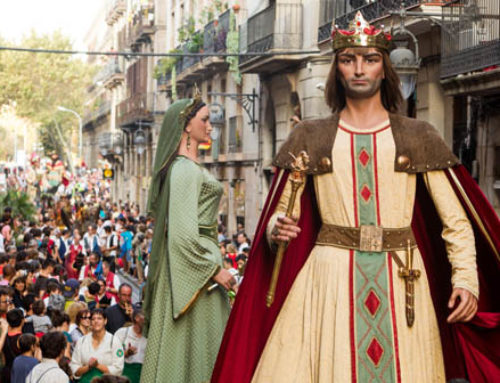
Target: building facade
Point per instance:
(256, 100)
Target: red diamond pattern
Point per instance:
(375, 351)
(364, 157)
(366, 193)
(372, 303)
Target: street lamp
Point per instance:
(140, 140)
(80, 147)
(405, 62)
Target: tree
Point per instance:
(39, 82)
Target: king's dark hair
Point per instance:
(390, 91)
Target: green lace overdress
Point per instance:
(187, 322)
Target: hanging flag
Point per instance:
(205, 145)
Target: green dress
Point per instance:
(187, 321)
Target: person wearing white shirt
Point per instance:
(53, 344)
(134, 343)
(98, 352)
(91, 240)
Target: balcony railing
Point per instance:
(276, 27)
(215, 33)
(92, 115)
(115, 8)
(139, 107)
(111, 73)
(142, 25)
(343, 11)
(470, 37)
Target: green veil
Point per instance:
(166, 151)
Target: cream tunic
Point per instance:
(344, 318)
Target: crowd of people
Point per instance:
(66, 309)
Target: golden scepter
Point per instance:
(297, 177)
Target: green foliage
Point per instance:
(187, 30)
(166, 65)
(19, 202)
(195, 43)
(38, 82)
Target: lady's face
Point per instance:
(199, 126)
(20, 286)
(85, 321)
(102, 287)
(97, 322)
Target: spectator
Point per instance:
(104, 300)
(24, 363)
(55, 300)
(60, 321)
(53, 345)
(9, 272)
(4, 301)
(134, 343)
(43, 278)
(98, 352)
(91, 241)
(111, 279)
(121, 312)
(64, 244)
(74, 258)
(71, 292)
(19, 285)
(112, 246)
(82, 328)
(93, 269)
(73, 311)
(15, 319)
(41, 322)
(242, 242)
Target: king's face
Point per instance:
(361, 71)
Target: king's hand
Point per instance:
(466, 308)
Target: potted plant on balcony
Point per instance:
(165, 65)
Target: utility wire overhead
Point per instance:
(152, 54)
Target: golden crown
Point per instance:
(360, 34)
(192, 105)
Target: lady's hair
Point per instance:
(26, 341)
(137, 312)
(80, 315)
(100, 312)
(390, 91)
(53, 344)
(231, 248)
(73, 310)
(20, 279)
(38, 307)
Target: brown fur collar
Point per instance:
(419, 148)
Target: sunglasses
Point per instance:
(86, 317)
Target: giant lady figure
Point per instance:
(185, 321)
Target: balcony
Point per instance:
(214, 40)
(115, 8)
(93, 116)
(471, 39)
(163, 81)
(111, 75)
(343, 11)
(139, 107)
(142, 26)
(276, 28)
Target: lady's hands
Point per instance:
(285, 229)
(225, 279)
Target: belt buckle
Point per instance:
(370, 238)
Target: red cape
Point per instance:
(470, 350)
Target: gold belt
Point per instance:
(366, 237)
